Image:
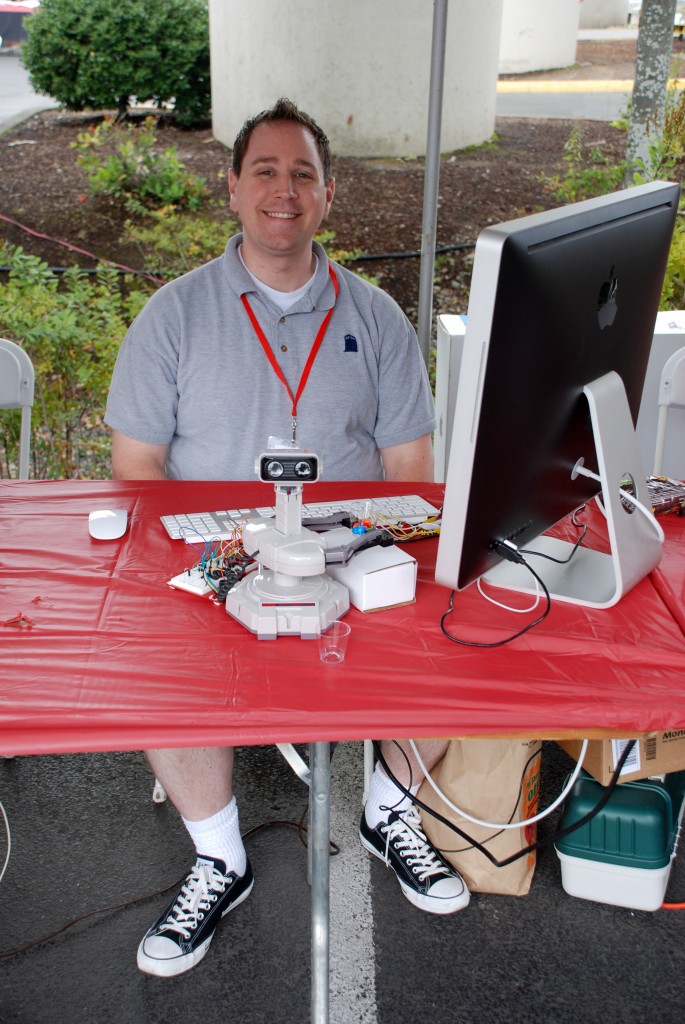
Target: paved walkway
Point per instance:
(18, 100)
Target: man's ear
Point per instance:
(330, 192)
(232, 185)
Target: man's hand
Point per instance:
(410, 461)
(135, 460)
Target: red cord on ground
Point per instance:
(82, 252)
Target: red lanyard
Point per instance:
(310, 359)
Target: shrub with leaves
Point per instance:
(665, 142)
(673, 292)
(71, 329)
(588, 173)
(173, 242)
(124, 161)
(98, 54)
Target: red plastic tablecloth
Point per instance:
(117, 660)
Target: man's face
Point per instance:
(280, 196)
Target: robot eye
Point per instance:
(274, 469)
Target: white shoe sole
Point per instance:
(161, 968)
(429, 904)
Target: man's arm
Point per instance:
(135, 460)
(410, 461)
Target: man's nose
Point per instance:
(286, 187)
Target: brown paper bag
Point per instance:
(495, 781)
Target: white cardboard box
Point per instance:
(378, 578)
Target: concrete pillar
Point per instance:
(604, 13)
(538, 34)
(360, 68)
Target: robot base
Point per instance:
(269, 609)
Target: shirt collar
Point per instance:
(320, 296)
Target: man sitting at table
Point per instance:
(213, 371)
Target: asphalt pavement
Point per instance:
(88, 840)
(18, 100)
(89, 850)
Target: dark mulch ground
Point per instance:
(378, 204)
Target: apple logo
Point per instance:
(607, 307)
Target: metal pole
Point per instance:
(319, 825)
(431, 179)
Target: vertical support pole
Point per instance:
(319, 848)
(431, 179)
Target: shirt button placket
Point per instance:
(282, 346)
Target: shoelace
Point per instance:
(201, 888)
(408, 839)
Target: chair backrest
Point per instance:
(671, 393)
(16, 392)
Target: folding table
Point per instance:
(98, 653)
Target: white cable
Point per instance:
(510, 824)
(507, 608)
(646, 512)
(9, 841)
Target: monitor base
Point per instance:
(593, 578)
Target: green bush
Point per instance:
(121, 160)
(98, 54)
(173, 242)
(71, 328)
(587, 174)
(673, 292)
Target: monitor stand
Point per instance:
(593, 578)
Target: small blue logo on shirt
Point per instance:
(350, 343)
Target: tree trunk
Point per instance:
(654, 48)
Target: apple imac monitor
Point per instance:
(560, 322)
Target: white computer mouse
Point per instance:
(107, 523)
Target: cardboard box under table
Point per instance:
(656, 753)
(623, 854)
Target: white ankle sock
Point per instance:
(383, 797)
(219, 836)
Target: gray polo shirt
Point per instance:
(191, 373)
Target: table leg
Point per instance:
(319, 824)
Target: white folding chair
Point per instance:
(16, 392)
(671, 393)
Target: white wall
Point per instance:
(538, 34)
(603, 13)
(360, 67)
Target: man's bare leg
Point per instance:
(199, 783)
(197, 780)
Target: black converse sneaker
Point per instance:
(181, 936)
(427, 881)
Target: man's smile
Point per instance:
(281, 216)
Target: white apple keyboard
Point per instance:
(407, 508)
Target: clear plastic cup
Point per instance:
(333, 642)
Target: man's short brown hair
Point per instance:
(283, 110)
